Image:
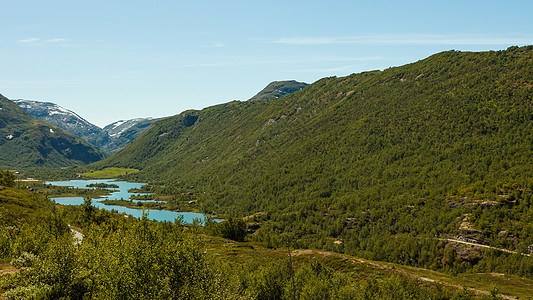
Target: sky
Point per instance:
(116, 60)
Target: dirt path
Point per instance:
(78, 236)
(7, 269)
(483, 246)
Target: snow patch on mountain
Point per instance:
(110, 138)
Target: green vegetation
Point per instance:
(110, 173)
(384, 165)
(103, 185)
(18, 206)
(28, 142)
(7, 178)
(125, 258)
(53, 191)
(52, 174)
(424, 171)
(144, 205)
(232, 228)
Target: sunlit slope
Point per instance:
(443, 123)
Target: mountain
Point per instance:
(66, 120)
(117, 135)
(117, 128)
(388, 165)
(29, 142)
(124, 132)
(109, 139)
(278, 89)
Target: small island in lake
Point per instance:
(103, 185)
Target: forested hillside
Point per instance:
(384, 164)
(29, 142)
(49, 251)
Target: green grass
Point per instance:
(110, 173)
(358, 269)
(505, 284)
(16, 205)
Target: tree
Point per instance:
(232, 228)
(88, 210)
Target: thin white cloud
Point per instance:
(39, 41)
(57, 40)
(31, 40)
(410, 39)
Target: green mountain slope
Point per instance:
(452, 109)
(376, 164)
(29, 142)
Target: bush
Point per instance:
(39, 291)
(25, 260)
(232, 228)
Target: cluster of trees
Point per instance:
(103, 185)
(125, 258)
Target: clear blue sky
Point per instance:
(111, 60)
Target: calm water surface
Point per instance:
(121, 193)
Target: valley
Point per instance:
(413, 182)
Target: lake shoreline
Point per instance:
(158, 210)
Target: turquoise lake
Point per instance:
(121, 193)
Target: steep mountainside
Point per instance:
(124, 132)
(278, 89)
(66, 120)
(450, 109)
(376, 164)
(29, 142)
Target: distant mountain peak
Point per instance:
(64, 119)
(32, 106)
(117, 128)
(278, 89)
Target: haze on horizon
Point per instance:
(126, 59)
